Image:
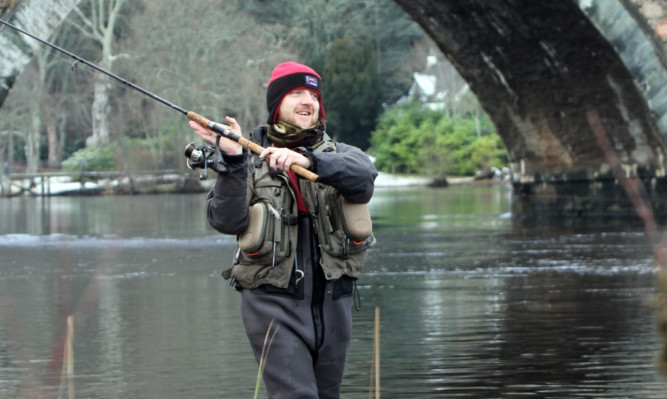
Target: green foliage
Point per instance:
(353, 92)
(130, 154)
(138, 154)
(415, 139)
(391, 142)
(73, 145)
(95, 159)
(152, 153)
(488, 151)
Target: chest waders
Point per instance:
(298, 271)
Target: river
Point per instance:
(472, 304)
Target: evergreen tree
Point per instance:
(313, 26)
(352, 92)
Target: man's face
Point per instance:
(300, 107)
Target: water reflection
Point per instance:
(471, 305)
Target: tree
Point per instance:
(37, 106)
(212, 68)
(58, 79)
(97, 21)
(352, 91)
(25, 111)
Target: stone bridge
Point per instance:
(576, 88)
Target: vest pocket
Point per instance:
(345, 229)
(356, 219)
(265, 240)
(254, 237)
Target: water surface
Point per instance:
(472, 304)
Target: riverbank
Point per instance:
(162, 182)
(388, 180)
(101, 183)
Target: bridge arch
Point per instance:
(538, 68)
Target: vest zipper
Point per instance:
(318, 323)
(317, 296)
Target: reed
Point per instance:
(268, 340)
(67, 373)
(375, 362)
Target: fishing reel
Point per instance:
(205, 156)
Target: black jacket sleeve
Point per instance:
(227, 203)
(348, 170)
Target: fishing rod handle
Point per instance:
(251, 145)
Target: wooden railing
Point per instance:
(86, 183)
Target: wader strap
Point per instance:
(356, 297)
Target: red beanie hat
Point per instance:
(290, 76)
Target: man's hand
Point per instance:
(227, 146)
(284, 158)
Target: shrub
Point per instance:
(91, 159)
(414, 139)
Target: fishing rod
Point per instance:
(214, 126)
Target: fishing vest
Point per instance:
(267, 249)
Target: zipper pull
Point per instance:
(273, 211)
(346, 246)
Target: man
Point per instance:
(298, 258)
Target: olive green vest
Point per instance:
(267, 249)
